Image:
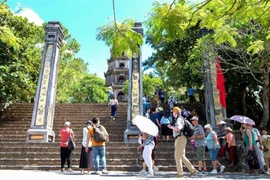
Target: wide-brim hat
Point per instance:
(228, 129)
(221, 122)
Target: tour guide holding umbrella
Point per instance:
(149, 130)
(180, 144)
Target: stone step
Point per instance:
(125, 168)
(76, 161)
(57, 105)
(15, 153)
(115, 124)
(110, 154)
(68, 112)
(113, 138)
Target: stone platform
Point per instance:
(33, 175)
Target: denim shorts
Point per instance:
(213, 154)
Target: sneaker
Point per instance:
(155, 168)
(205, 172)
(149, 174)
(70, 170)
(104, 171)
(199, 173)
(222, 169)
(62, 169)
(142, 171)
(214, 171)
(179, 176)
(193, 172)
(96, 172)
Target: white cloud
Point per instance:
(31, 15)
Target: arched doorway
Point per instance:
(120, 96)
(122, 65)
(121, 78)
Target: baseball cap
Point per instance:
(176, 109)
(194, 118)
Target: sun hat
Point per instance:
(221, 122)
(67, 123)
(228, 129)
(207, 126)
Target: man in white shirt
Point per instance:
(180, 144)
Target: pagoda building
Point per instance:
(116, 75)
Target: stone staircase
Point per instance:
(15, 153)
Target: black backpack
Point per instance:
(100, 133)
(188, 129)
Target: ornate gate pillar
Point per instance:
(43, 113)
(135, 92)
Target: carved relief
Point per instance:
(135, 94)
(44, 87)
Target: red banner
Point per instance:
(221, 84)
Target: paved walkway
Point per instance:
(54, 175)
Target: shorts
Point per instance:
(200, 152)
(213, 154)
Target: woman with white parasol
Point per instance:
(149, 131)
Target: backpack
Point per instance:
(188, 129)
(99, 133)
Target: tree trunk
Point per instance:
(265, 97)
(244, 104)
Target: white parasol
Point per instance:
(145, 125)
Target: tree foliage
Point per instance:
(121, 38)
(21, 46)
(170, 28)
(19, 56)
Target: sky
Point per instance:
(82, 18)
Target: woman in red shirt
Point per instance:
(65, 153)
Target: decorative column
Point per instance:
(219, 111)
(135, 91)
(43, 113)
(208, 86)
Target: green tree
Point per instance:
(168, 22)
(20, 56)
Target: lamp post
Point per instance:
(208, 87)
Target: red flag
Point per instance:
(221, 84)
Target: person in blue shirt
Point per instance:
(190, 93)
(165, 121)
(154, 117)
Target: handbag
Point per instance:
(250, 155)
(71, 144)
